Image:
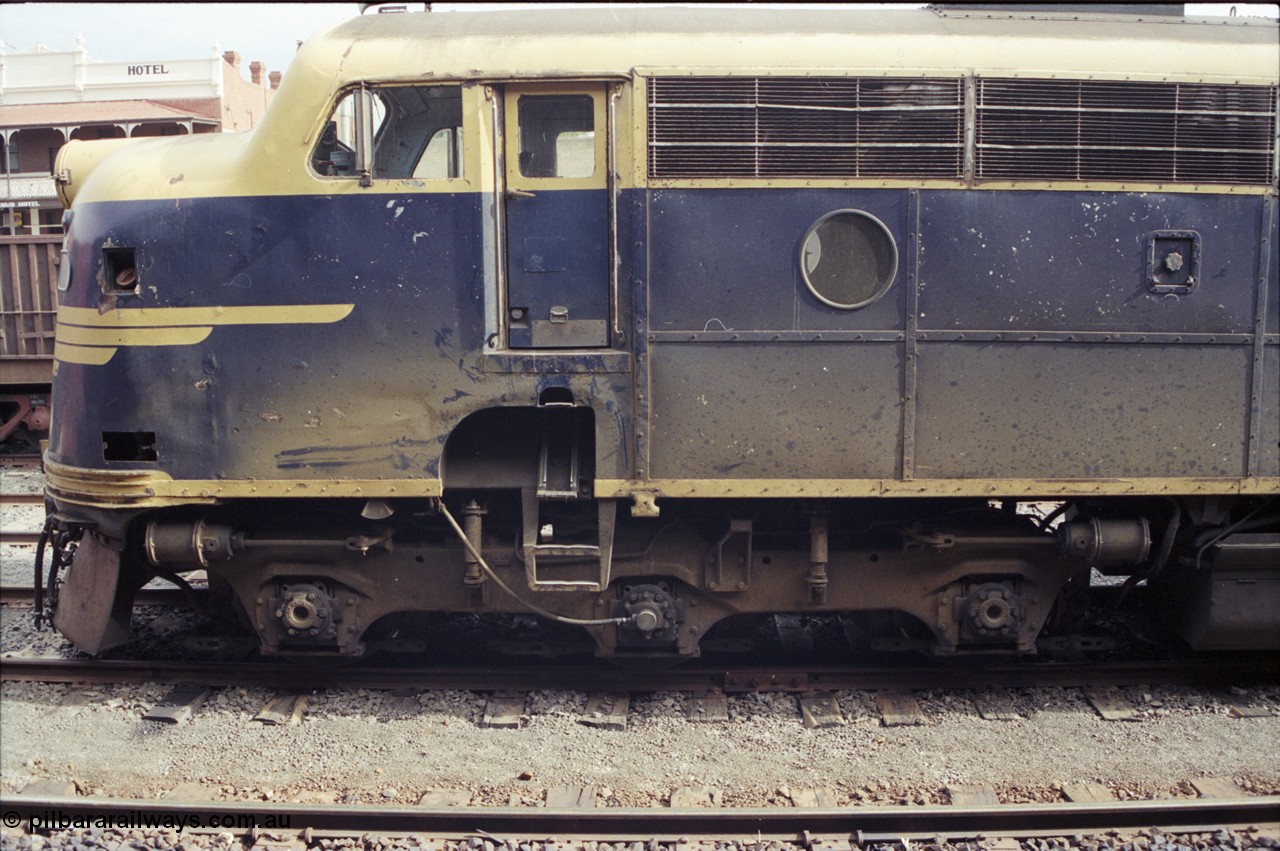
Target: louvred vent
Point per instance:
(805, 127)
(1125, 131)
(1026, 129)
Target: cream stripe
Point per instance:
(68, 353)
(986, 487)
(179, 336)
(153, 488)
(169, 317)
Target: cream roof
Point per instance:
(617, 40)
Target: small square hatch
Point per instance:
(1173, 261)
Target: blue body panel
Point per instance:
(1074, 261)
(370, 395)
(558, 256)
(1019, 338)
(729, 259)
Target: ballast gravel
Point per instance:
(372, 746)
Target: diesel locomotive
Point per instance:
(651, 321)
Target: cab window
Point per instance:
(390, 132)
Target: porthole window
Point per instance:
(848, 259)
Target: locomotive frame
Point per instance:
(599, 329)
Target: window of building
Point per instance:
(50, 219)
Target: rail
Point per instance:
(805, 826)
(22, 499)
(1211, 671)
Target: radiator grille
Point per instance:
(1025, 129)
(805, 127)
(1125, 131)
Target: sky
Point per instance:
(267, 32)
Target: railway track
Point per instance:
(24, 595)
(695, 679)
(813, 828)
(23, 460)
(22, 499)
(19, 538)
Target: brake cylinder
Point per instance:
(1101, 541)
(191, 543)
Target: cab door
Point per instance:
(557, 215)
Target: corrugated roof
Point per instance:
(92, 112)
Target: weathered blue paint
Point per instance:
(753, 377)
(725, 367)
(728, 259)
(558, 257)
(261, 398)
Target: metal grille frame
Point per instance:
(1125, 131)
(835, 127)
(973, 129)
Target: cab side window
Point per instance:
(393, 132)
